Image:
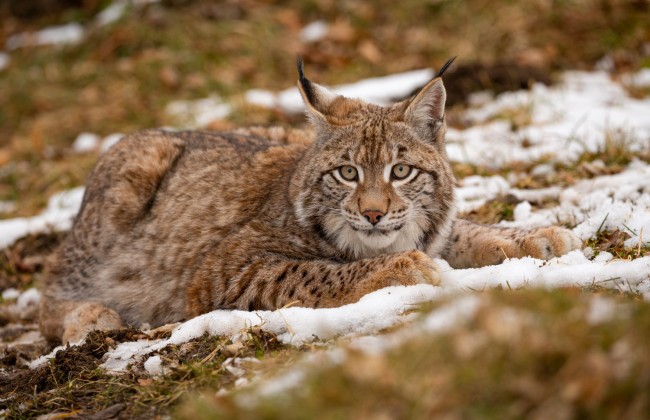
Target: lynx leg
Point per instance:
(407, 268)
(70, 321)
(474, 245)
(551, 241)
(272, 282)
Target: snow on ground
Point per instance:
(71, 33)
(112, 13)
(563, 121)
(314, 31)
(579, 114)
(620, 201)
(640, 79)
(4, 60)
(378, 90)
(86, 142)
(609, 202)
(198, 113)
(10, 293)
(7, 206)
(449, 316)
(61, 209)
(89, 142)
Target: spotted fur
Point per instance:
(175, 224)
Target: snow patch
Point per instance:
(572, 269)
(641, 79)
(379, 90)
(475, 191)
(7, 206)
(452, 315)
(153, 366)
(29, 297)
(85, 142)
(608, 202)
(10, 294)
(601, 309)
(374, 312)
(112, 13)
(71, 33)
(579, 114)
(198, 113)
(314, 31)
(109, 141)
(61, 209)
(4, 60)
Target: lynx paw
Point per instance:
(548, 242)
(417, 267)
(87, 317)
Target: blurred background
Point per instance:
(104, 67)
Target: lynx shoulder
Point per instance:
(175, 224)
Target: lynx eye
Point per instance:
(349, 173)
(400, 171)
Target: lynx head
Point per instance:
(377, 179)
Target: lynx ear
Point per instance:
(316, 97)
(426, 111)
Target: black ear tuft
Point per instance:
(301, 70)
(442, 70)
(305, 83)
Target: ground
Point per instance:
(490, 343)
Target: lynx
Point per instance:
(176, 224)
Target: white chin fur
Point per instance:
(377, 240)
(365, 245)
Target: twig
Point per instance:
(290, 304)
(618, 287)
(638, 251)
(612, 279)
(629, 286)
(219, 347)
(64, 415)
(285, 319)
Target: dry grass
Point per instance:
(73, 382)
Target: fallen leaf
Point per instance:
(145, 382)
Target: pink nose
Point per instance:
(373, 216)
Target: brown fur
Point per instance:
(175, 224)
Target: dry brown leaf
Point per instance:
(370, 51)
(615, 238)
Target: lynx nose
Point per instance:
(373, 216)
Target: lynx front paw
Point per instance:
(548, 242)
(415, 267)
